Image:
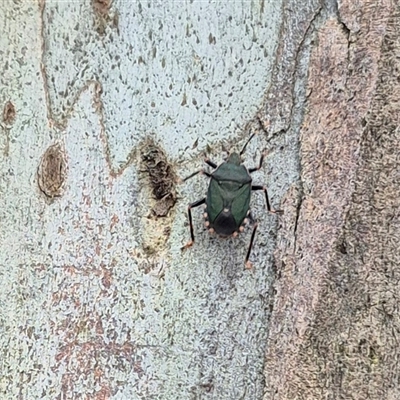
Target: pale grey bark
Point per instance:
(97, 298)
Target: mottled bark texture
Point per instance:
(335, 322)
(104, 104)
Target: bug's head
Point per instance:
(234, 158)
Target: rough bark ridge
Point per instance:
(335, 324)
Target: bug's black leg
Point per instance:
(200, 171)
(210, 163)
(259, 164)
(253, 234)
(251, 218)
(192, 205)
(264, 189)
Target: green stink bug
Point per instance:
(228, 198)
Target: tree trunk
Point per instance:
(335, 324)
(106, 105)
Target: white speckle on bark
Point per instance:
(160, 55)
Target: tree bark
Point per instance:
(106, 106)
(334, 326)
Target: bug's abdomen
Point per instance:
(224, 224)
(227, 205)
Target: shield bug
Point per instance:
(228, 198)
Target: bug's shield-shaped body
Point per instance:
(228, 196)
(228, 199)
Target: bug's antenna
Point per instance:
(245, 145)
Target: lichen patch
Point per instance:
(161, 177)
(158, 196)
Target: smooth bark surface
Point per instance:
(106, 106)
